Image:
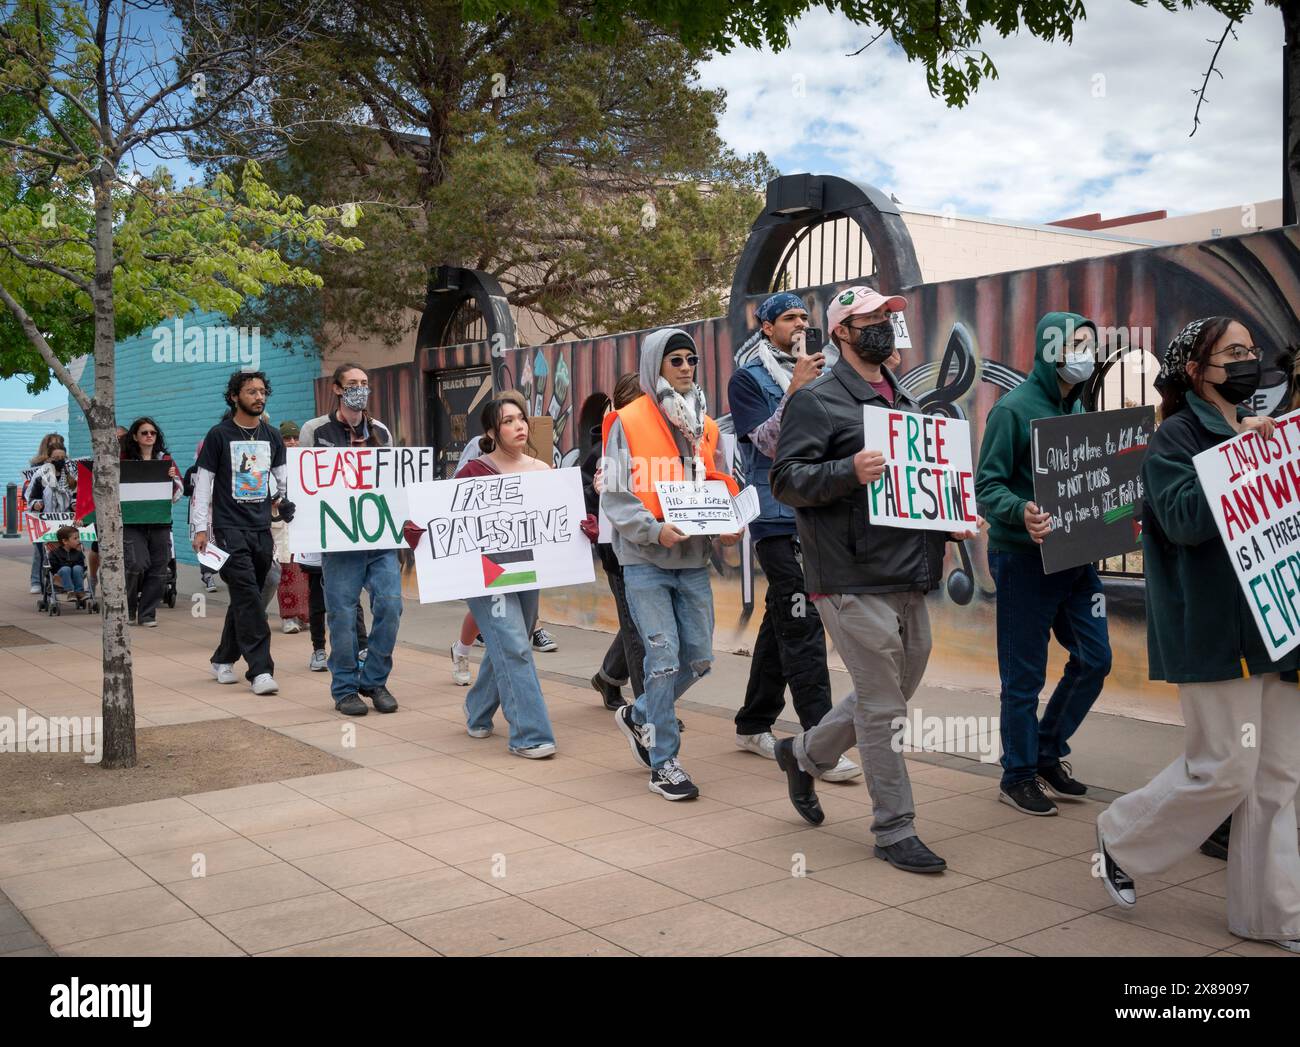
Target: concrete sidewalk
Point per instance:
(438, 843)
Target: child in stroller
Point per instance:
(63, 572)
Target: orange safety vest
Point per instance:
(649, 440)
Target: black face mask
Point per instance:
(1242, 380)
(58, 464)
(875, 342)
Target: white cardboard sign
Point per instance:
(929, 482)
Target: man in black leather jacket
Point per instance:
(869, 581)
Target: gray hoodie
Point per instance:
(635, 536)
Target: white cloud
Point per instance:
(1035, 144)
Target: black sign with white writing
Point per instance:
(1087, 476)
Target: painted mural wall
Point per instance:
(972, 340)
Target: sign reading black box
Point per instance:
(1087, 475)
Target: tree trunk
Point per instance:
(1291, 25)
(119, 696)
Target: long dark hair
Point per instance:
(366, 418)
(490, 419)
(1173, 398)
(131, 445)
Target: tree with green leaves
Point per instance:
(588, 177)
(92, 247)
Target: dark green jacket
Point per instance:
(1004, 480)
(1199, 627)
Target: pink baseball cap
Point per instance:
(854, 301)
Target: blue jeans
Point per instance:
(36, 565)
(1031, 607)
(673, 611)
(344, 575)
(72, 576)
(507, 677)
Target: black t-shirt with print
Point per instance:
(241, 461)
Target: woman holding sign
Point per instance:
(507, 677)
(1242, 715)
(147, 546)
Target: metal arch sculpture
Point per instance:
(450, 287)
(796, 202)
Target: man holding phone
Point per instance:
(791, 647)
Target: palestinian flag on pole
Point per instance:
(145, 491)
(512, 568)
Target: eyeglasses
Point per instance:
(879, 320)
(1238, 353)
(146, 432)
(683, 361)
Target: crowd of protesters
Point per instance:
(830, 568)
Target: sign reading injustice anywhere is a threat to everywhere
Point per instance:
(1087, 475)
(1253, 487)
(500, 534)
(928, 483)
(353, 497)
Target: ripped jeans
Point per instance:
(673, 611)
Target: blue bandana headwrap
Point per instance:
(778, 304)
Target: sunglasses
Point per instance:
(683, 361)
(146, 432)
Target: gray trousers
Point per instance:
(884, 639)
(1242, 758)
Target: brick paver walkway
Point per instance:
(439, 843)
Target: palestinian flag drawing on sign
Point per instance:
(511, 568)
(145, 492)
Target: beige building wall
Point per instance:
(1205, 225)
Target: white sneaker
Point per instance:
(291, 626)
(223, 673)
(460, 673)
(264, 683)
(35, 590)
(319, 661)
(763, 744)
(535, 752)
(479, 732)
(843, 771)
(1290, 945)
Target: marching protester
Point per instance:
(291, 592)
(344, 574)
(625, 658)
(791, 645)
(232, 506)
(147, 547)
(469, 634)
(869, 581)
(1031, 604)
(1241, 709)
(664, 435)
(51, 489)
(507, 676)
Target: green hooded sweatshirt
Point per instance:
(1004, 480)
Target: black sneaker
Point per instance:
(352, 705)
(635, 734)
(609, 694)
(1027, 798)
(381, 698)
(1217, 845)
(1056, 781)
(673, 783)
(1118, 884)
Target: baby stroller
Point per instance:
(53, 596)
(169, 586)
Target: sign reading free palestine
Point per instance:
(1253, 489)
(929, 482)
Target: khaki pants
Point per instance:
(1243, 759)
(884, 639)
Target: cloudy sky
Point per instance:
(1101, 125)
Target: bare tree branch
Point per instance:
(1205, 82)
